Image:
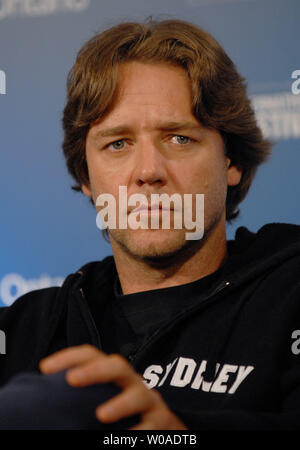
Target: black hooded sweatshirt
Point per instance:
(222, 351)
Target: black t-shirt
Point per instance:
(125, 322)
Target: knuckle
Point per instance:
(89, 348)
(119, 360)
(97, 364)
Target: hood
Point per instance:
(250, 253)
(253, 253)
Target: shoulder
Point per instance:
(44, 301)
(31, 302)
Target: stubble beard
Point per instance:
(162, 251)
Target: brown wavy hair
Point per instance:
(219, 92)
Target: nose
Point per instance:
(150, 165)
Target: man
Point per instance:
(196, 333)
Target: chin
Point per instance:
(150, 244)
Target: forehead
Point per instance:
(148, 91)
(142, 80)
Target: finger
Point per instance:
(69, 357)
(147, 423)
(157, 418)
(143, 425)
(132, 401)
(111, 368)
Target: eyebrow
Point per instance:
(166, 126)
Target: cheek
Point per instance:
(215, 199)
(207, 177)
(100, 178)
(101, 183)
(210, 179)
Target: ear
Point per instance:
(86, 190)
(234, 174)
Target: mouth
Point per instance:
(151, 209)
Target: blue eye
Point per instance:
(117, 145)
(182, 139)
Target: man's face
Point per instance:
(151, 142)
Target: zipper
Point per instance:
(155, 336)
(92, 320)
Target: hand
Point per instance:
(87, 365)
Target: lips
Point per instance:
(150, 209)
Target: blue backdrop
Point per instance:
(47, 230)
